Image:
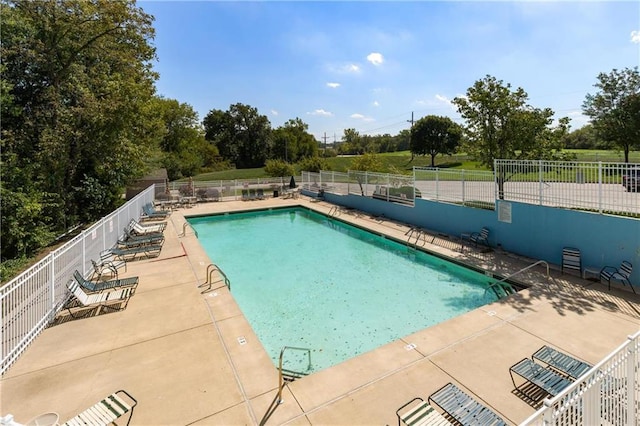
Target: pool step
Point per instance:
(290, 375)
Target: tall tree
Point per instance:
(612, 109)
(80, 77)
(185, 150)
(241, 135)
(292, 141)
(435, 135)
(499, 124)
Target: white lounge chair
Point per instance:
(106, 411)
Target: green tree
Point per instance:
(583, 138)
(279, 168)
(435, 135)
(499, 124)
(313, 164)
(614, 108)
(185, 150)
(292, 141)
(367, 162)
(80, 78)
(241, 135)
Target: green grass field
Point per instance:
(400, 162)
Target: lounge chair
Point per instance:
(133, 253)
(245, 195)
(138, 228)
(260, 194)
(131, 240)
(106, 411)
(107, 299)
(213, 194)
(561, 362)
(420, 413)
(464, 408)
(481, 237)
(150, 213)
(544, 378)
(93, 286)
(571, 260)
(252, 194)
(621, 274)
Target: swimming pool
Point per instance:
(305, 280)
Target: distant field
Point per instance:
(400, 162)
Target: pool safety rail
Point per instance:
(212, 268)
(290, 375)
(184, 229)
(420, 235)
(608, 394)
(29, 302)
(506, 287)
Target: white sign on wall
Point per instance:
(504, 211)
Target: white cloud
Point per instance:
(345, 68)
(321, 112)
(274, 112)
(361, 117)
(375, 58)
(376, 103)
(635, 36)
(333, 85)
(443, 99)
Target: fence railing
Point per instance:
(474, 188)
(609, 394)
(590, 186)
(224, 189)
(29, 302)
(612, 188)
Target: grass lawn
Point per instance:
(401, 163)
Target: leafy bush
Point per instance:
(313, 164)
(278, 168)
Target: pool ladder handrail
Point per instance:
(211, 268)
(418, 233)
(184, 229)
(502, 282)
(280, 371)
(334, 211)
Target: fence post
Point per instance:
(463, 185)
(540, 181)
(437, 184)
(600, 186)
(52, 280)
(631, 379)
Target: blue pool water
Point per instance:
(304, 280)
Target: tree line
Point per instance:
(81, 120)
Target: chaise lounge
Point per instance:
(106, 411)
(93, 286)
(133, 253)
(115, 299)
(464, 408)
(561, 362)
(543, 378)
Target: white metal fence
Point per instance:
(384, 186)
(590, 186)
(474, 188)
(30, 301)
(609, 394)
(596, 187)
(224, 189)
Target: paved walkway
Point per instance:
(191, 358)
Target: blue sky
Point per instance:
(369, 65)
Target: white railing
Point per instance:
(29, 302)
(474, 188)
(225, 189)
(609, 394)
(575, 185)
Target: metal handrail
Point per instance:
(521, 270)
(184, 229)
(280, 374)
(211, 268)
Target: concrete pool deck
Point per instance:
(191, 358)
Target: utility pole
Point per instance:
(325, 143)
(411, 132)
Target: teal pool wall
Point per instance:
(535, 231)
